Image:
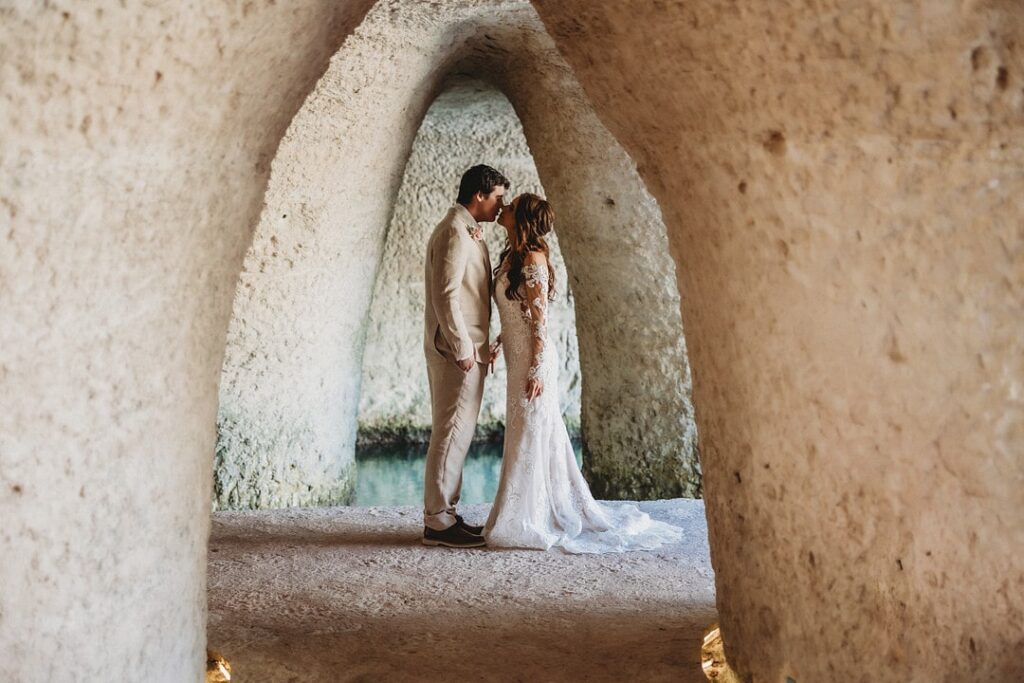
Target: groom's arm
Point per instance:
(448, 274)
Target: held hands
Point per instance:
(466, 364)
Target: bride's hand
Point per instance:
(534, 388)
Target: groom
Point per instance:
(458, 314)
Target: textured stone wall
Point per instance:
(843, 190)
(470, 122)
(135, 150)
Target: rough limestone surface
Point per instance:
(470, 122)
(843, 188)
(135, 153)
(291, 381)
(350, 594)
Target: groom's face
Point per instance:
(491, 205)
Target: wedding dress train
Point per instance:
(543, 500)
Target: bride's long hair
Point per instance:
(534, 218)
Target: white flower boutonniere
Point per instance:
(476, 232)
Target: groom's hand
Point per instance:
(466, 364)
(495, 349)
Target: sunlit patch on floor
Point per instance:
(218, 669)
(712, 658)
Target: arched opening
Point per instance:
(164, 163)
(469, 122)
(842, 189)
(318, 249)
(291, 384)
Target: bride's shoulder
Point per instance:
(535, 258)
(535, 268)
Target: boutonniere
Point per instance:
(476, 232)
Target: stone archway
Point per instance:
(291, 380)
(469, 122)
(134, 170)
(852, 172)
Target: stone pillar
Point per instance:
(134, 160)
(842, 187)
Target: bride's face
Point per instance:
(507, 218)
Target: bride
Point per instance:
(543, 500)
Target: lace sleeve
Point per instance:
(535, 277)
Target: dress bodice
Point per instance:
(524, 332)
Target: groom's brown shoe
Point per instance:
(471, 528)
(452, 537)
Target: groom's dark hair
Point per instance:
(480, 178)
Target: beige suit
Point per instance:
(457, 280)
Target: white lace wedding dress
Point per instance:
(543, 500)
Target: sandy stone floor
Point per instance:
(349, 594)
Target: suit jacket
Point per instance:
(457, 279)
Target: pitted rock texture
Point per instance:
(350, 594)
(136, 142)
(843, 189)
(470, 122)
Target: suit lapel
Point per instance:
(466, 222)
(487, 265)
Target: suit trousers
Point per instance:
(455, 398)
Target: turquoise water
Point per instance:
(393, 474)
